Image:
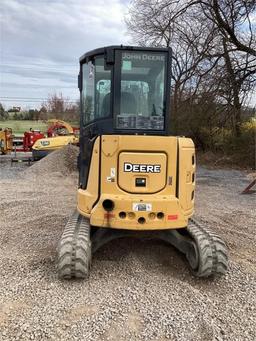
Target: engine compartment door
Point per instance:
(142, 172)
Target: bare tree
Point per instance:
(233, 19)
(235, 43)
(60, 107)
(2, 112)
(168, 24)
(207, 58)
(56, 105)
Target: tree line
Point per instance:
(56, 106)
(213, 65)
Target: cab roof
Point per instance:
(103, 50)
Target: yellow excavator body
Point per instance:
(141, 182)
(136, 178)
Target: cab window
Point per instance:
(95, 90)
(141, 105)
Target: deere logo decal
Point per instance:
(140, 168)
(45, 143)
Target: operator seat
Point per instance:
(128, 104)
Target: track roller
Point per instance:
(74, 249)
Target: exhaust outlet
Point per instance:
(108, 205)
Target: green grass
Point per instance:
(19, 127)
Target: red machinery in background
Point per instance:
(29, 138)
(55, 128)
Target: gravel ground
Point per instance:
(138, 290)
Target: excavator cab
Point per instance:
(134, 176)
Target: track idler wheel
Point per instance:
(74, 249)
(210, 256)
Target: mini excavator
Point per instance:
(135, 177)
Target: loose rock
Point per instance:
(138, 290)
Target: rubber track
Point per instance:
(74, 249)
(212, 251)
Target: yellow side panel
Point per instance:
(86, 198)
(186, 175)
(113, 146)
(110, 145)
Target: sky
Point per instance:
(42, 40)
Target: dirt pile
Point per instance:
(63, 161)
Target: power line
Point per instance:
(33, 100)
(41, 68)
(29, 101)
(36, 98)
(43, 64)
